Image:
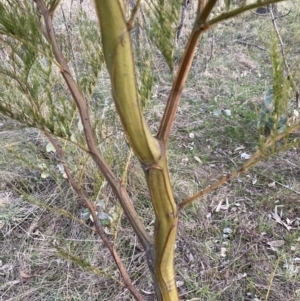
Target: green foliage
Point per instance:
(31, 87)
(88, 47)
(21, 21)
(145, 75)
(163, 18)
(273, 115)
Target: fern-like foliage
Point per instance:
(163, 16)
(32, 90)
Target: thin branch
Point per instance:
(99, 230)
(250, 44)
(285, 186)
(258, 156)
(83, 109)
(134, 11)
(30, 199)
(238, 11)
(201, 5)
(183, 71)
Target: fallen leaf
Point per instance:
(50, 148)
(223, 207)
(245, 156)
(272, 185)
(241, 276)
(227, 112)
(278, 219)
(239, 148)
(80, 126)
(276, 243)
(223, 252)
(25, 275)
(45, 175)
(217, 112)
(227, 230)
(147, 292)
(198, 159)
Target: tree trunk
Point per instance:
(117, 48)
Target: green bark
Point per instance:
(150, 151)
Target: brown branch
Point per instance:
(83, 109)
(111, 247)
(134, 11)
(258, 156)
(238, 11)
(183, 70)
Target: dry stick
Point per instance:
(255, 158)
(83, 109)
(278, 183)
(127, 281)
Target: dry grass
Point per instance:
(229, 247)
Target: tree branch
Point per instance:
(239, 10)
(258, 156)
(99, 230)
(183, 71)
(83, 109)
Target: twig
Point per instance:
(250, 44)
(201, 25)
(255, 158)
(285, 186)
(134, 11)
(272, 278)
(99, 230)
(238, 11)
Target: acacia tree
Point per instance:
(34, 56)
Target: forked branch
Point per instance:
(201, 25)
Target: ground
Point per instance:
(241, 242)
